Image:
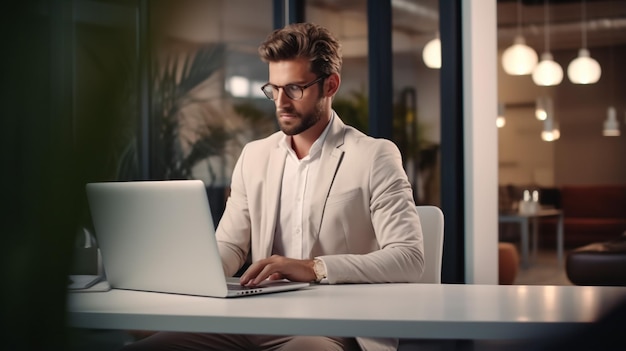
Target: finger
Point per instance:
(251, 272)
(276, 276)
(267, 270)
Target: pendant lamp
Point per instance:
(432, 53)
(547, 72)
(543, 105)
(519, 58)
(550, 130)
(611, 125)
(547, 134)
(501, 120)
(556, 130)
(584, 69)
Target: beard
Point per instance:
(303, 120)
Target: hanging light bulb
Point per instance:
(550, 130)
(543, 105)
(611, 126)
(432, 53)
(519, 58)
(540, 109)
(556, 131)
(584, 69)
(501, 120)
(547, 72)
(547, 134)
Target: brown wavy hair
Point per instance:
(304, 40)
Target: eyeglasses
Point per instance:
(293, 91)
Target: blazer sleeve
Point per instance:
(396, 225)
(233, 231)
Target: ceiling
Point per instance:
(605, 20)
(604, 23)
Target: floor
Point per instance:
(544, 270)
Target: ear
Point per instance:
(333, 83)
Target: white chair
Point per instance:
(431, 218)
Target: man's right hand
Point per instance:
(278, 267)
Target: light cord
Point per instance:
(584, 24)
(547, 26)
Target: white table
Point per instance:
(524, 220)
(428, 311)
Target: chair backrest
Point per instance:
(431, 218)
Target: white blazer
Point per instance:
(363, 218)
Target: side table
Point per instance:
(524, 220)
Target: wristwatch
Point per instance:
(320, 269)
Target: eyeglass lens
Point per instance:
(293, 91)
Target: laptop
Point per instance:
(159, 236)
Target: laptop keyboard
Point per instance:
(238, 287)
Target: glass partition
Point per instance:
(415, 86)
(206, 101)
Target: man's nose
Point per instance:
(281, 98)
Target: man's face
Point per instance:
(296, 116)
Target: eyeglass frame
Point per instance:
(301, 87)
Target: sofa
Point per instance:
(591, 213)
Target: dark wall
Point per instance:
(583, 155)
(37, 179)
(61, 81)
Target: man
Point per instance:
(316, 201)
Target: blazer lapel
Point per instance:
(329, 163)
(272, 189)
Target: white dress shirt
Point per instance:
(299, 175)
